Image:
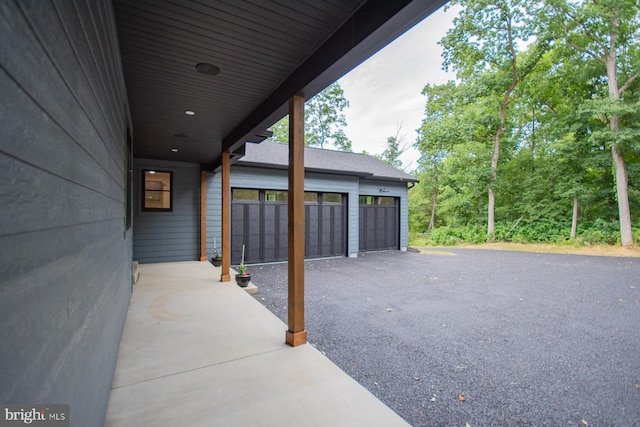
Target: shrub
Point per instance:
(600, 232)
(536, 231)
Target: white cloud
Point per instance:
(385, 91)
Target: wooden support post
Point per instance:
(296, 334)
(203, 215)
(226, 217)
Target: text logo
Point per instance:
(34, 415)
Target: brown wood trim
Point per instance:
(296, 339)
(296, 335)
(203, 215)
(225, 276)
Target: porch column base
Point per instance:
(225, 277)
(295, 339)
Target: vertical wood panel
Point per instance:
(401, 193)
(203, 216)
(251, 177)
(225, 275)
(379, 227)
(283, 235)
(296, 335)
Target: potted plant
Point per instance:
(243, 278)
(216, 260)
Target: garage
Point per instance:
(259, 221)
(353, 203)
(379, 223)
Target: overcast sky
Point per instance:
(385, 91)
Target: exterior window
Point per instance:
(386, 201)
(366, 200)
(377, 200)
(332, 198)
(157, 191)
(276, 196)
(246, 195)
(310, 197)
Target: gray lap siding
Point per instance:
(65, 262)
(168, 236)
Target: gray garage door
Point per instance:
(379, 223)
(259, 221)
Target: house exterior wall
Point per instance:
(272, 179)
(65, 248)
(168, 236)
(391, 189)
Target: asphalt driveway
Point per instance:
(481, 338)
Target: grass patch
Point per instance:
(593, 250)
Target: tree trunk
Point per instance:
(434, 201)
(574, 219)
(626, 236)
(512, 228)
(491, 227)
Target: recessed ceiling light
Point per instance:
(175, 150)
(189, 113)
(207, 69)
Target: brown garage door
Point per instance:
(259, 221)
(379, 223)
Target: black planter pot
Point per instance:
(243, 280)
(217, 262)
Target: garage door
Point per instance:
(379, 223)
(259, 221)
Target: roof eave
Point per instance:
(275, 166)
(393, 179)
(371, 27)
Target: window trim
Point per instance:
(144, 190)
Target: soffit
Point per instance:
(267, 51)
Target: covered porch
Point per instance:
(90, 86)
(205, 79)
(199, 352)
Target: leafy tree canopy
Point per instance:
(324, 121)
(549, 91)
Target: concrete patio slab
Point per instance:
(199, 352)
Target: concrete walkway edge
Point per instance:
(199, 352)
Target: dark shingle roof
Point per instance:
(275, 155)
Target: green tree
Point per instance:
(552, 135)
(483, 48)
(439, 132)
(556, 143)
(608, 32)
(396, 146)
(324, 121)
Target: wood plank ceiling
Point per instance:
(266, 51)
